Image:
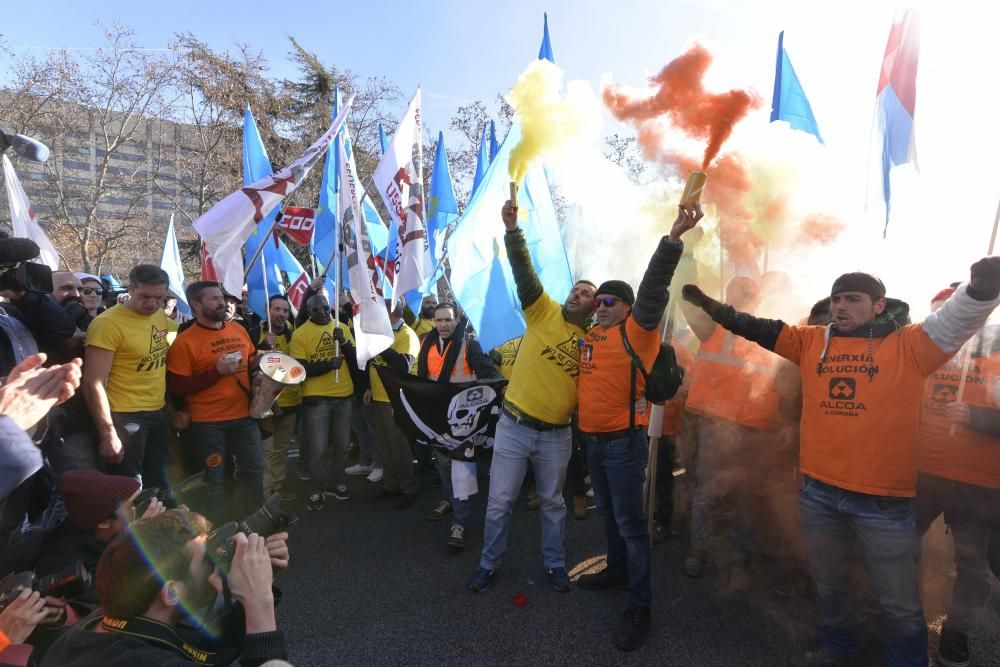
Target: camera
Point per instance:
(266, 521)
(27, 277)
(71, 582)
(190, 492)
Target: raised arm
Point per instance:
(529, 287)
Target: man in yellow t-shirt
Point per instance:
(393, 447)
(277, 430)
(422, 323)
(124, 380)
(321, 346)
(538, 406)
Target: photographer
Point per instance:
(19, 620)
(158, 575)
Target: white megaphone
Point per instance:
(277, 371)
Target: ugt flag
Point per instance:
(399, 179)
(372, 330)
(171, 263)
(790, 103)
(457, 418)
(892, 131)
(225, 226)
(23, 219)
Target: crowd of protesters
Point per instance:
(876, 424)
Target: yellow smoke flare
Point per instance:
(548, 119)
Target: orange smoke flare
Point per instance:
(681, 97)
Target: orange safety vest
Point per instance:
(733, 379)
(435, 360)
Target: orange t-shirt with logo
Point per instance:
(859, 432)
(198, 349)
(606, 376)
(967, 456)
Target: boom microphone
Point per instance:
(26, 147)
(14, 250)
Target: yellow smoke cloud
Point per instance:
(549, 120)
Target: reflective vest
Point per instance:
(435, 360)
(733, 379)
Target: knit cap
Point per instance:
(92, 496)
(618, 288)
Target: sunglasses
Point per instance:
(91, 290)
(607, 301)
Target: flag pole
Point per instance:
(655, 433)
(267, 302)
(967, 353)
(260, 248)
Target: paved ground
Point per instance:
(373, 585)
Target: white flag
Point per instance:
(23, 219)
(170, 262)
(399, 178)
(226, 226)
(372, 329)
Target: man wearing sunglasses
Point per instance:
(613, 416)
(538, 405)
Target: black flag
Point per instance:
(458, 419)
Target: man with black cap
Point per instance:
(862, 384)
(612, 416)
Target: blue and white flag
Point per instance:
(789, 102)
(170, 262)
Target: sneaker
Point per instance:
(694, 564)
(534, 501)
(443, 510)
(457, 537)
(580, 509)
(590, 492)
(406, 500)
(481, 580)
(599, 581)
(559, 579)
(339, 492)
(740, 579)
(315, 502)
(375, 475)
(357, 469)
(818, 656)
(287, 494)
(953, 650)
(633, 629)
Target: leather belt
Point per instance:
(521, 417)
(612, 435)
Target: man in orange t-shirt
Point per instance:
(958, 458)
(209, 364)
(862, 382)
(612, 417)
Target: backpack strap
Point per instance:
(636, 364)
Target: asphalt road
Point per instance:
(373, 585)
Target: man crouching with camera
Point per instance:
(157, 581)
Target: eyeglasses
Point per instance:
(606, 301)
(91, 290)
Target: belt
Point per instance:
(521, 417)
(612, 435)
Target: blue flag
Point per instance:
(383, 141)
(790, 103)
(442, 207)
(545, 52)
(274, 259)
(482, 164)
(494, 146)
(170, 262)
(480, 271)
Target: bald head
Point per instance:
(65, 288)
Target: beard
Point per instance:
(218, 315)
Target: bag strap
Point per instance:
(636, 363)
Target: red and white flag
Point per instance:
(399, 178)
(372, 330)
(226, 226)
(298, 224)
(23, 219)
(297, 290)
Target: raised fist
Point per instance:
(985, 275)
(693, 294)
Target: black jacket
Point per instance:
(479, 361)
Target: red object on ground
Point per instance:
(520, 599)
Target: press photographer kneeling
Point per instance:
(157, 581)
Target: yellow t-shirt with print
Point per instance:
(172, 328)
(291, 395)
(508, 355)
(543, 381)
(404, 341)
(138, 378)
(312, 342)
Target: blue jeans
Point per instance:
(364, 430)
(326, 422)
(461, 509)
(243, 437)
(832, 519)
(147, 451)
(617, 470)
(514, 445)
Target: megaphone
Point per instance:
(277, 371)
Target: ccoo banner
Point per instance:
(298, 224)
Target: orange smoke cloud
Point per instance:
(819, 228)
(681, 97)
